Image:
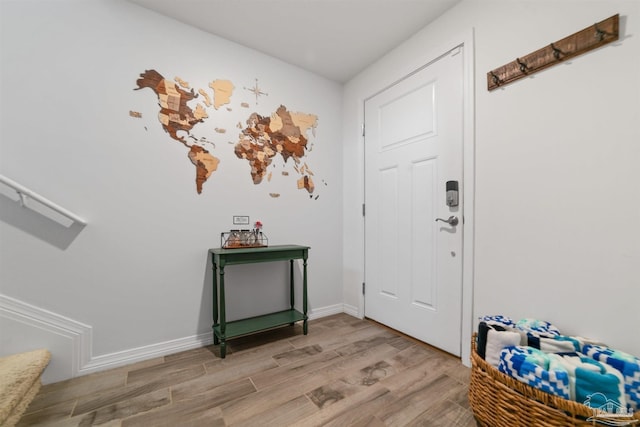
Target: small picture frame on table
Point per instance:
(240, 220)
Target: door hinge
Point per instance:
(363, 286)
(363, 129)
(363, 209)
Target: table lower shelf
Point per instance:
(259, 323)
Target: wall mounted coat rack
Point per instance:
(576, 44)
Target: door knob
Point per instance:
(452, 220)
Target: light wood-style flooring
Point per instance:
(345, 372)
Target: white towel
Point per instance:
(496, 341)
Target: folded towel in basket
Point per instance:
(483, 329)
(492, 338)
(628, 365)
(588, 377)
(497, 341)
(532, 366)
(554, 344)
(537, 327)
(504, 321)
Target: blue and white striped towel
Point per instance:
(532, 366)
(627, 364)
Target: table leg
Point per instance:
(292, 298)
(223, 316)
(304, 295)
(216, 341)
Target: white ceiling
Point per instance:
(334, 38)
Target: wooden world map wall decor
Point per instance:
(576, 44)
(261, 141)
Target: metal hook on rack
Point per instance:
(523, 67)
(599, 34)
(496, 79)
(556, 52)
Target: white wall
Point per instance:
(138, 274)
(557, 188)
(557, 201)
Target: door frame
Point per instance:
(465, 40)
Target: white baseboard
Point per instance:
(351, 310)
(330, 310)
(70, 339)
(62, 332)
(139, 354)
(133, 355)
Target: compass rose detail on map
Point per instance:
(256, 91)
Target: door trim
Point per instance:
(465, 40)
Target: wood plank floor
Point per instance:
(345, 372)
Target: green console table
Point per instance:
(223, 330)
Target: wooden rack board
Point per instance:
(576, 44)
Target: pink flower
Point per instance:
(258, 225)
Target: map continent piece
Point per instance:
(307, 183)
(257, 154)
(174, 114)
(205, 165)
(207, 98)
(200, 113)
(281, 133)
(182, 83)
(222, 91)
(305, 122)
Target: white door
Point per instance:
(413, 146)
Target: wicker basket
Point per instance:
(498, 400)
